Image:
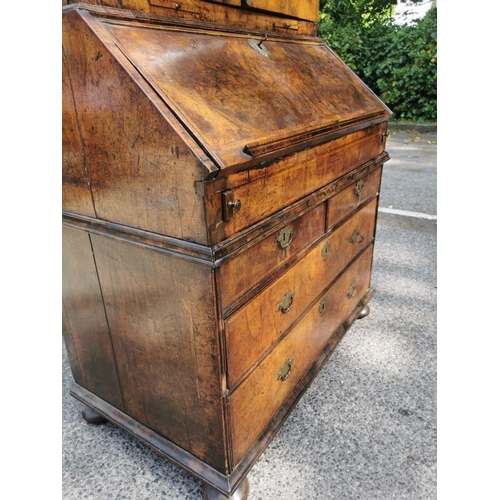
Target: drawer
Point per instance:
(259, 397)
(350, 198)
(246, 269)
(254, 328)
(288, 180)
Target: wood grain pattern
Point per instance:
(85, 328)
(141, 172)
(255, 328)
(162, 319)
(235, 18)
(210, 82)
(272, 188)
(224, 248)
(230, 13)
(161, 445)
(257, 399)
(308, 9)
(257, 262)
(346, 201)
(76, 194)
(237, 3)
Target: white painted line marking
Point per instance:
(407, 213)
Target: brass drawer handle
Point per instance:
(229, 205)
(285, 370)
(351, 291)
(322, 306)
(284, 237)
(235, 205)
(286, 302)
(325, 251)
(358, 189)
(356, 237)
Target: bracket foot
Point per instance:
(91, 416)
(364, 312)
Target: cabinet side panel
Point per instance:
(162, 320)
(142, 174)
(75, 187)
(85, 328)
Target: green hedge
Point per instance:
(399, 63)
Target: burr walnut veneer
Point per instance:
(221, 170)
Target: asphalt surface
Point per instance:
(366, 427)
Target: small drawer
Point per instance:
(259, 324)
(350, 198)
(259, 397)
(241, 273)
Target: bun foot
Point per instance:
(210, 493)
(364, 312)
(92, 417)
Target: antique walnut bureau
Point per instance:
(221, 170)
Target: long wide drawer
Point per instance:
(258, 398)
(258, 325)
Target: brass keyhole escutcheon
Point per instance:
(326, 250)
(284, 373)
(259, 47)
(322, 306)
(356, 237)
(359, 187)
(262, 40)
(284, 237)
(351, 291)
(286, 302)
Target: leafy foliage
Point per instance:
(398, 62)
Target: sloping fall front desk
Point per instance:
(219, 213)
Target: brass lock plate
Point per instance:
(322, 306)
(285, 370)
(259, 47)
(325, 251)
(284, 237)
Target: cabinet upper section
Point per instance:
(294, 17)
